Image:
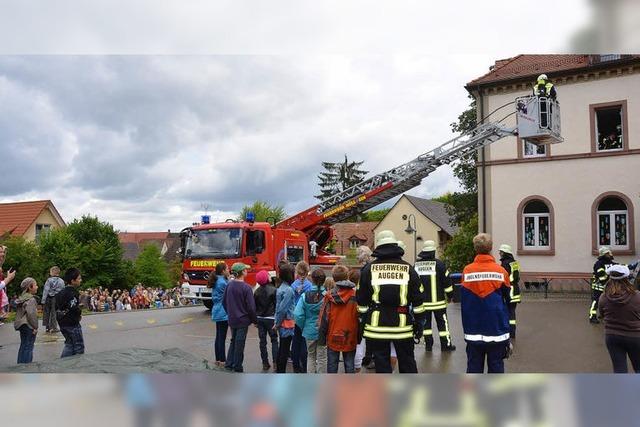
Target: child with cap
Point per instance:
(265, 298)
(27, 319)
(619, 305)
(240, 306)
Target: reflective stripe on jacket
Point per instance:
(484, 295)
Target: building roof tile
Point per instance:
(17, 217)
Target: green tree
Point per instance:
(459, 250)
(24, 257)
(462, 205)
(150, 268)
(338, 177)
(263, 211)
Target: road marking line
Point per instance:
(187, 320)
(93, 326)
(120, 323)
(151, 321)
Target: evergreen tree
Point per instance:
(338, 177)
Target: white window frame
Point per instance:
(612, 225)
(536, 224)
(595, 120)
(530, 156)
(351, 244)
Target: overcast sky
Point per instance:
(142, 141)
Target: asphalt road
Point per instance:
(554, 336)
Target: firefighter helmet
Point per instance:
(506, 249)
(542, 77)
(402, 245)
(604, 250)
(429, 246)
(386, 237)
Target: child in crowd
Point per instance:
(299, 344)
(27, 319)
(284, 323)
(69, 314)
(339, 321)
(306, 316)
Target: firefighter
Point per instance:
(543, 87)
(513, 268)
(390, 305)
(437, 289)
(599, 280)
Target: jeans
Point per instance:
(333, 358)
(236, 349)
(619, 347)
(27, 340)
(283, 354)
(493, 352)
(316, 357)
(73, 340)
(221, 339)
(265, 327)
(299, 351)
(49, 314)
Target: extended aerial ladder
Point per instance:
(538, 120)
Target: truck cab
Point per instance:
(257, 244)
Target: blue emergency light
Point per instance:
(206, 219)
(251, 217)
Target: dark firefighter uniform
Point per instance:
(515, 296)
(437, 289)
(599, 279)
(543, 87)
(390, 305)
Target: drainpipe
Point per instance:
(483, 166)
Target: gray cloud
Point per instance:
(142, 141)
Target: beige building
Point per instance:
(428, 218)
(557, 204)
(29, 219)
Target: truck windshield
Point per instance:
(214, 242)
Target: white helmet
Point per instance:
(506, 249)
(604, 250)
(402, 245)
(542, 77)
(429, 246)
(386, 237)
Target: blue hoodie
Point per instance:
(300, 287)
(285, 303)
(306, 314)
(218, 314)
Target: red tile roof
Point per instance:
(344, 231)
(138, 238)
(16, 218)
(530, 66)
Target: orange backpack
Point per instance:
(340, 322)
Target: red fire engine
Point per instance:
(304, 236)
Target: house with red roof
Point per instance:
(351, 235)
(29, 219)
(132, 243)
(557, 204)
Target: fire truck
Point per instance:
(305, 235)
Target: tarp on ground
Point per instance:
(126, 361)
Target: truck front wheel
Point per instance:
(208, 303)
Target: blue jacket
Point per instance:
(306, 314)
(300, 287)
(483, 295)
(285, 303)
(218, 314)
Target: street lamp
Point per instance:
(412, 229)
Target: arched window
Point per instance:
(613, 222)
(536, 227)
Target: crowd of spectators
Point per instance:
(140, 297)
